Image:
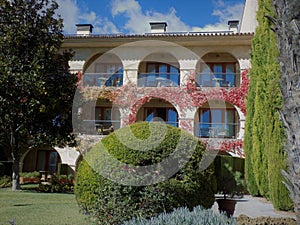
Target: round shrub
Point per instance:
(142, 181)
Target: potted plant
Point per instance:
(227, 186)
(64, 179)
(29, 177)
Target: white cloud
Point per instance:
(225, 13)
(69, 12)
(125, 6)
(174, 22)
(101, 25)
(72, 15)
(137, 21)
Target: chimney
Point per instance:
(84, 29)
(158, 27)
(233, 25)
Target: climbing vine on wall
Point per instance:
(235, 96)
(132, 98)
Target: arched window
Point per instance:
(169, 115)
(217, 75)
(158, 75)
(217, 123)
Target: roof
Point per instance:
(165, 34)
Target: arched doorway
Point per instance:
(99, 117)
(42, 159)
(217, 119)
(159, 70)
(158, 110)
(218, 69)
(104, 70)
(107, 117)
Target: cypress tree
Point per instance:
(248, 139)
(259, 159)
(264, 135)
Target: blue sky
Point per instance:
(133, 16)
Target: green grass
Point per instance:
(32, 208)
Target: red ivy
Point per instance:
(235, 96)
(227, 145)
(132, 97)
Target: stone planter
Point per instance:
(29, 180)
(65, 181)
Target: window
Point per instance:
(108, 74)
(169, 115)
(217, 74)
(106, 119)
(103, 116)
(159, 74)
(217, 123)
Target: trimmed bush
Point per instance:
(33, 174)
(185, 216)
(5, 181)
(58, 184)
(109, 202)
(262, 220)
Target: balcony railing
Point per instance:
(158, 79)
(100, 126)
(218, 80)
(103, 79)
(217, 130)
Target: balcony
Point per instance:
(103, 79)
(158, 80)
(103, 127)
(217, 130)
(218, 80)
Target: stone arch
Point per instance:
(40, 159)
(78, 161)
(100, 69)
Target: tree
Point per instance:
(36, 89)
(248, 140)
(287, 28)
(264, 134)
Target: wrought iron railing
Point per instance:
(103, 79)
(158, 79)
(100, 126)
(218, 79)
(216, 130)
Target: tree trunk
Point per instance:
(16, 160)
(288, 38)
(15, 175)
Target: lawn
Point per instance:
(32, 208)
